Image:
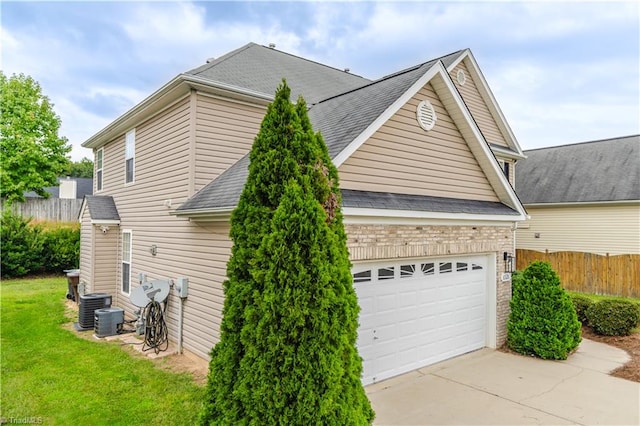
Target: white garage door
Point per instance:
(417, 312)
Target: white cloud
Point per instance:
(554, 63)
(179, 33)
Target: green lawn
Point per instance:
(50, 373)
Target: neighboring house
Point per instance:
(67, 188)
(582, 197)
(63, 203)
(428, 210)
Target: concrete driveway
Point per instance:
(489, 387)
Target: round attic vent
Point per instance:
(461, 77)
(426, 115)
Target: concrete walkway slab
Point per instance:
(493, 387)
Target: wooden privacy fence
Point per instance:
(53, 209)
(617, 275)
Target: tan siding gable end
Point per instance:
(477, 107)
(403, 158)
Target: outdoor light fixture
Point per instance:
(154, 250)
(508, 261)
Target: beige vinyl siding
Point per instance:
(104, 260)
(403, 158)
(86, 249)
(184, 249)
(98, 256)
(478, 108)
(592, 229)
(224, 134)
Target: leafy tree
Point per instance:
(543, 320)
(33, 155)
(287, 158)
(80, 169)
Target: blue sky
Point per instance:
(562, 72)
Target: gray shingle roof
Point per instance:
(604, 170)
(262, 69)
(102, 207)
(340, 119)
(390, 201)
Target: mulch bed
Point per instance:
(631, 344)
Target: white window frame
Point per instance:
(99, 169)
(130, 154)
(126, 260)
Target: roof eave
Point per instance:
(175, 89)
(507, 153)
(216, 214)
(368, 215)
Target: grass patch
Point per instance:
(50, 373)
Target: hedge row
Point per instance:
(29, 248)
(610, 317)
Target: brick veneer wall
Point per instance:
(372, 242)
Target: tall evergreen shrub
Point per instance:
(543, 320)
(281, 282)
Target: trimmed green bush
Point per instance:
(61, 249)
(581, 303)
(32, 248)
(21, 246)
(543, 320)
(613, 317)
(287, 351)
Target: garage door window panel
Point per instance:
(445, 267)
(362, 277)
(407, 271)
(387, 273)
(428, 268)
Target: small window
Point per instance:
(129, 156)
(386, 273)
(362, 277)
(428, 268)
(445, 267)
(99, 159)
(461, 266)
(126, 262)
(475, 267)
(407, 271)
(506, 170)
